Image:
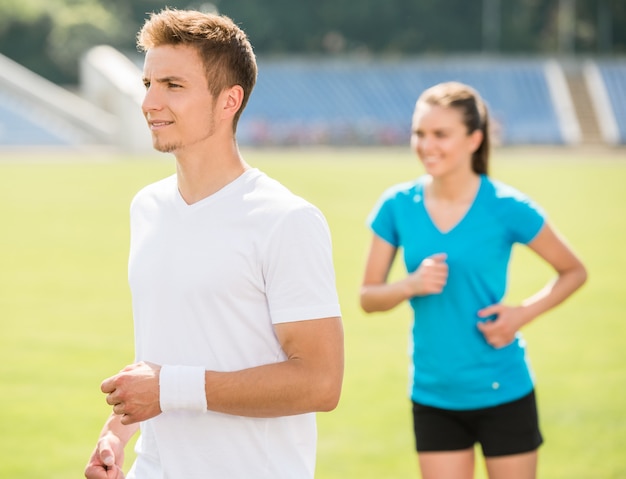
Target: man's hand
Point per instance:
(107, 459)
(134, 392)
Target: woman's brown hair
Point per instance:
(475, 115)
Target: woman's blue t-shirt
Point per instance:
(453, 366)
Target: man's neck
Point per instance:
(201, 175)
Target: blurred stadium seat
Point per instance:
(36, 112)
(17, 128)
(372, 102)
(318, 101)
(614, 79)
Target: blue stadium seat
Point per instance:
(18, 130)
(370, 103)
(614, 76)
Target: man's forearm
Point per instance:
(309, 380)
(123, 432)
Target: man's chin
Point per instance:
(165, 147)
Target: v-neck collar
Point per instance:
(183, 206)
(462, 219)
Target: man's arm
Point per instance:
(107, 459)
(309, 380)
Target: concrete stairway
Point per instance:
(584, 108)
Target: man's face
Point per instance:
(178, 106)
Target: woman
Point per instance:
(456, 226)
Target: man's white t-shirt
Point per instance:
(208, 282)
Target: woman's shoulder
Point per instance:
(406, 189)
(509, 203)
(503, 191)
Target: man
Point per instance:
(238, 332)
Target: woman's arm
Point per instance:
(571, 275)
(378, 295)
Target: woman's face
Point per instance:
(440, 139)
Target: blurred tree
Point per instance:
(49, 36)
(617, 19)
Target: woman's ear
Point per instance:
(476, 139)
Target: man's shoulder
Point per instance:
(272, 192)
(279, 208)
(157, 187)
(153, 193)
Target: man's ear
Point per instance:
(232, 99)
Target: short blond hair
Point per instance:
(224, 48)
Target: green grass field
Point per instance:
(66, 321)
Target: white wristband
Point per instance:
(182, 387)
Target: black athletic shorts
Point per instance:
(510, 428)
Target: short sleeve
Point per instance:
(382, 219)
(523, 217)
(298, 268)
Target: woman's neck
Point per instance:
(459, 188)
